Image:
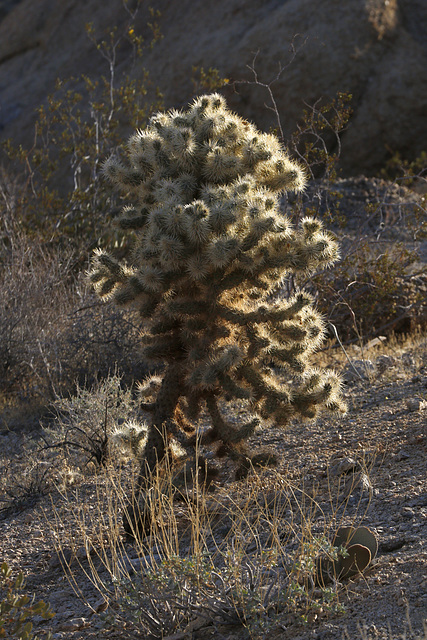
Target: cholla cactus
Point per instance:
(210, 247)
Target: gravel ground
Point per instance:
(373, 461)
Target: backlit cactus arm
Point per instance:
(229, 434)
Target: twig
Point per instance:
(334, 329)
(267, 85)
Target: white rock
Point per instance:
(75, 624)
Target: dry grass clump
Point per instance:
(83, 425)
(241, 560)
(53, 332)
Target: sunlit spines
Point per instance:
(280, 174)
(220, 165)
(107, 274)
(121, 175)
(259, 148)
(210, 246)
(222, 216)
(132, 218)
(222, 251)
(196, 222)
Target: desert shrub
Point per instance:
(242, 560)
(81, 122)
(16, 608)
(317, 138)
(53, 330)
(83, 424)
(374, 293)
(379, 284)
(23, 486)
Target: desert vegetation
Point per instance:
(243, 288)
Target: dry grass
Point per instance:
(238, 562)
(242, 558)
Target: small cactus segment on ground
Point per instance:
(210, 246)
(360, 545)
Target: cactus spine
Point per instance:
(209, 248)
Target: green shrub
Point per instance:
(82, 121)
(16, 608)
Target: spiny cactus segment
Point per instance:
(360, 547)
(210, 247)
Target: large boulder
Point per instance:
(374, 49)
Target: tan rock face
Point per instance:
(374, 49)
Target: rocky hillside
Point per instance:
(374, 49)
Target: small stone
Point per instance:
(75, 624)
(387, 415)
(81, 553)
(100, 605)
(407, 359)
(401, 455)
(357, 482)
(375, 342)
(383, 363)
(413, 404)
(343, 466)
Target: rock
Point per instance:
(384, 363)
(345, 465)
(407, 360)
(387, 415)
(375, 50)
(401, 455)
(413, 404)
(358, 370)
(375, 342)
(356, 485)
(100, 605)
(74, 625)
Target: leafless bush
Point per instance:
(379, 286)
(52, 329)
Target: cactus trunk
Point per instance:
(156, 446)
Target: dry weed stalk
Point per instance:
(244, 556)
